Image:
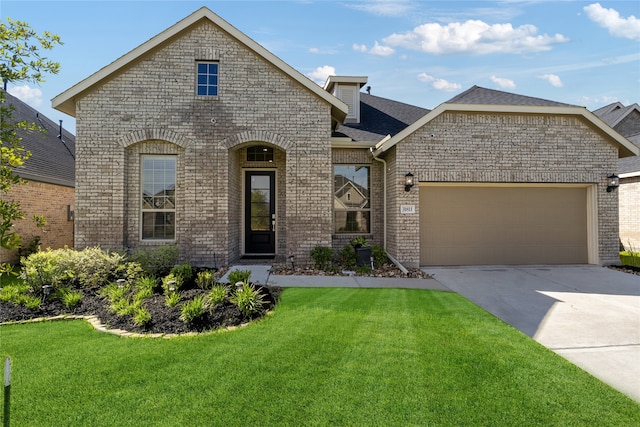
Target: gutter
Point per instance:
(384, 207)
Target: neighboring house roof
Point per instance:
(613, 115)
(478, 99)
(379, 117)
(66, 101)
(52, 158)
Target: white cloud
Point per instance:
(314, 50)
(475, 37)
(439, 84)
(610, 19)
(321, 74)
(503, 83)
(552, 79)
(383, 7)
(380, 50)
(31, 96)
(359, 47)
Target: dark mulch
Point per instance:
(164, 320)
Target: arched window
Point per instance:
(259, 153)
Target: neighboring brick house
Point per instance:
(626, 120)
(202, 138)
(49, 190)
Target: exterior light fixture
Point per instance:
(408, 181)
(613, 182)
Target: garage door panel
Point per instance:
(503, 225)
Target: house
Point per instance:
(626, 121)
(50, 179)
(202, 138)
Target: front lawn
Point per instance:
(325, 357)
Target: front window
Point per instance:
(351, 202)
(158, 197)
(207, 78)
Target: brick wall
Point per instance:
(629, 198)
(151, 107)
(49, 200)
(476, 147)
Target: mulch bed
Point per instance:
(164, 320)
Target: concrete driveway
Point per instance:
(588, 314)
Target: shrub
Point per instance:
(193, 310)
(20, 294)
(157, 261)
(216, 295)
(94, 266)
(147, 282)
(172, 299)
(248, 299)
(322, 257)
(347, 257)
(171, 283)
(50, 267)
(130, 271)
(183, 271)
(236, 276)
(141, 316)
(32, 247)
(379, 255)
(70, 298)
(205, 279)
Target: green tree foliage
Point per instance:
(20, 60)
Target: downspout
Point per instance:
(384, 213)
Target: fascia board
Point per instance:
(626, 147)
(65, 101)
(629, 175)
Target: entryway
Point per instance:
(260, 212)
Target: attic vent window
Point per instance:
(207, 78)
(259, 153)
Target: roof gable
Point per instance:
(615, 113)
(66, 101)
(470, 101)
(52, 157)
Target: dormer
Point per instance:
(347, 89)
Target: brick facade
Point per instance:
(151, 107)
(501, 148)
(50, 201)
(630, 212)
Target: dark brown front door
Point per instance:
(260, 212)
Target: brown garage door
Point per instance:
(475, 225)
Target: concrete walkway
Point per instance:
(589, 315)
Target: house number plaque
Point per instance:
(407, 209)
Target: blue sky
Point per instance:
(420, 52)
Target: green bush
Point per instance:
(70, 298)
(347, 257)
(147, 282)
(172, 299)
(183, 271)
(20, 294)
(156, 261)
(141, 316)
(171, 283)
(216, 295)
(193, 310)
(205, 279)
(248, 299)
(322, 257)
(379, 255)
(236, 276)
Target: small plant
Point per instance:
(70, 298)
(193, 310)
(347, 257)
(205, 279)
(147, 282)
(142, 294)
(236, 276)
(32, 302)
(183, 271)
(322, 257)
(248, 299)
(141, 316)
(172, 299)
(379, 255)
(216, 295)
(156, 261)
(171, 283)
(363, 269)
(359, 242)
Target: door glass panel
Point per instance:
(260, 203)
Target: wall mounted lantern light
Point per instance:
(613, 182)
(408, 181)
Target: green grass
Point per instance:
(630, 258)
(327, 357)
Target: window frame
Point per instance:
(145, 210)
(207, 75)
(349, 194)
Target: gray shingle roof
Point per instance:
(613, 115)
(480, 95)
(380, 117)
(630, 164)
(52, 159)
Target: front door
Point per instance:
(260, 212)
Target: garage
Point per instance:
(489, 224)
